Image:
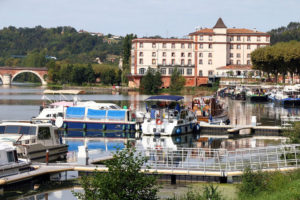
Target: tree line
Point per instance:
(64, 43)
(80, 74)
(283, 58)
(285, 33)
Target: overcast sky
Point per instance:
(148, 17)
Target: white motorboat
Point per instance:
(9, 162)
(33, 140)
(166, 116)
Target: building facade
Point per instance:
(203, 55)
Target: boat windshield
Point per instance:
(25, 130)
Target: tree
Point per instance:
(127, 43)
(177, 81)
(123, 180)
(151, 82)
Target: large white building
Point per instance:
(208, 52)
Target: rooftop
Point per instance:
(235, 67)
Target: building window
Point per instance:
(173, 61)
(153, 54)
(173, 54)
(141, 71)
(163, 71)
(164, 45)
(231, 46)
(153, 61)
(189, 45)
(231, 62)
(182, 46)
(164, 54)
(153, 45)
(210, 38)
(201, 38)
(141, 54)
(210, 46)
(141, 61)
(238, 62)
(200, 61)
(248, 62)
(164, 62)
(258, 38)
(210, 62)
(182, 54)
(189, 71)
(173, 46)
(171, 70)
(200, 73)
(230, 38)
(189, 54)
(231, 55)
(238, 55)
(141, 45)
(189, 62)
(209, 55)
(248, 55)
(181, 71)
(248, 38)
(201, 46)
(182, 62)
(200, 55)
(238, 38)
(248, 46)
(238, 46)
(210, 72)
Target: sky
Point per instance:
(167, 18)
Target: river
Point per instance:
(22, 103)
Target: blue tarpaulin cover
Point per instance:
(75, 112)
(165, 98)
(116, 114)
(96, 114)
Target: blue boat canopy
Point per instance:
(165, 98)
(75, 112)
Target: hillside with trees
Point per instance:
(35, 46)
(285, 34)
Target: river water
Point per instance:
(22, 103)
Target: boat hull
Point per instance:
(37, 153)
(262, 98)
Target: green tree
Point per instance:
(177, 81)
(127, 43)
(123, 180)
(151, 82)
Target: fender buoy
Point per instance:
(159, 121)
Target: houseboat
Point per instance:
(166, 116)
(33, 140)
(289, 96)
(209, 110)
(9, 162)
(256, 95)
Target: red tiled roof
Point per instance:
(241, 30)
(235, 67)
(229, 31)
(161, 40)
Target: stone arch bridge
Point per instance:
(7, 74)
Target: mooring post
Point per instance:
(47, 156)
(173, 179)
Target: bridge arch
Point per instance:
(29, 71)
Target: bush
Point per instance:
(177, 81)
(122, 181)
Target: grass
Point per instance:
(270, 185)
